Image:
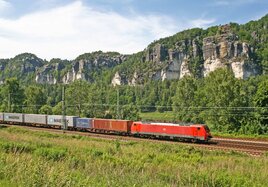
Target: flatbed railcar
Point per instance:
(193, 132)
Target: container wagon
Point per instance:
(114, 126)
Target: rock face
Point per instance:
(77, 69)
(77, 73)
(219, 51)
(173, 63)
(226, 51)
(45, 74)
(116, 80)
(157, 54)
(134, 80)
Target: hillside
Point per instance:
(197, 52)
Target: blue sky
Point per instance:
(65, 29)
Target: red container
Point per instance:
(171, 130)
(112, 125)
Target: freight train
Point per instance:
(184, 132)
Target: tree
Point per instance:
(183, 100)
(57, 110)
(261, 101)
(46, 109)
(77, 97)
(221, 97)
(12, 95)
(35, 98)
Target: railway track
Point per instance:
(250, 147)
(255, 148)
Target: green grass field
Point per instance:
(30, 158)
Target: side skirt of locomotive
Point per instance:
(171, 137)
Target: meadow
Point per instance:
(33, 158)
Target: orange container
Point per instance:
(112, 125)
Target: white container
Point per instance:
(35, 119)
(14, 117)
(57, 120)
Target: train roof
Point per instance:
(171, 124)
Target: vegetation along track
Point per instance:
(250, 147)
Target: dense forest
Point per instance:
(220, 100)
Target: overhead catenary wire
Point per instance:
(209, 111)
(113, 105)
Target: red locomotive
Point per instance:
(193, 132)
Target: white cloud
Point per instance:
(4, 6)
(233, 2)
(222, 3)
(203, 23)
(71, 30)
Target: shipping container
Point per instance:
(112, 125)
(35, 119)
(85, 123)
(57, 120)
(14, 117)
(1, 117)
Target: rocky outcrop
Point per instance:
(226, 51)
(177, 66)
(45, 75)
(78, 69)
(171, 64)
(134, 80)
(219, 51)
(117, 80)
(27, 62)
(157, 54)
(3, 64)
(244, 69)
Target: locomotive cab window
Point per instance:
(198, 128)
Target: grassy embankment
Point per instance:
(169, 117)
(29, 158)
